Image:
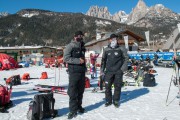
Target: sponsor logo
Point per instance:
(116, 53)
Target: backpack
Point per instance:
(14, 80)
(44, 75)
(149, 80)
(87, 82)
(42, 107)
(25, 76)
(5, 95)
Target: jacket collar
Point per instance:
(114, 47)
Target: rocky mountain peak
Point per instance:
(100, 12)
(138, 12)
(121, 13)
(160, 10)
(2, 14)
(34, 12)
(103, 12)
(141, 5)
(120, 16)
(159, 6)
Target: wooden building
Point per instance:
(97, 45)
(133, 41)
(18, 52)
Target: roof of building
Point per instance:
(173, 41)
(25, 47)
(138, 37)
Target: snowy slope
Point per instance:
(137, 103)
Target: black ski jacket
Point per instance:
(72, 53)
(114, 59)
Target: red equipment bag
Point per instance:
(26, 76)
(5, 95)
(44, 75)
(87, 82)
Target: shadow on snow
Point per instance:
(21, 100)
(22, 93)
(130, 95)
(125, 97)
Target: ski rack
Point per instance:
(50, 88)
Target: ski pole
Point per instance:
(169, 87)
(59, 75)
(178, 82)
(179, 90)
(168, 91)
(55, 77)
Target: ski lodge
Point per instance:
(134, 39)
(20, 53)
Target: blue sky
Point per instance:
(12, 6)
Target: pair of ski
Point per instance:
(49, 88)
(59, 89)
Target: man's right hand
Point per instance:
(81, 60)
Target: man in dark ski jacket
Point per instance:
(113, 64)
(74, 56)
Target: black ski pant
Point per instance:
(76, 90)
(116, 79)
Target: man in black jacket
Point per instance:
(113, 64)
(74, 56)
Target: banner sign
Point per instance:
(178, 27)
(126, 42)
(162, 55)
(147, 37)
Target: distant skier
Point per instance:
(156, 57)
(142, 58)
(148, 59)
(176, 58)
(93, 59)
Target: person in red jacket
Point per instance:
(93, 59)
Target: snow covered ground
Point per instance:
(137, 103)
